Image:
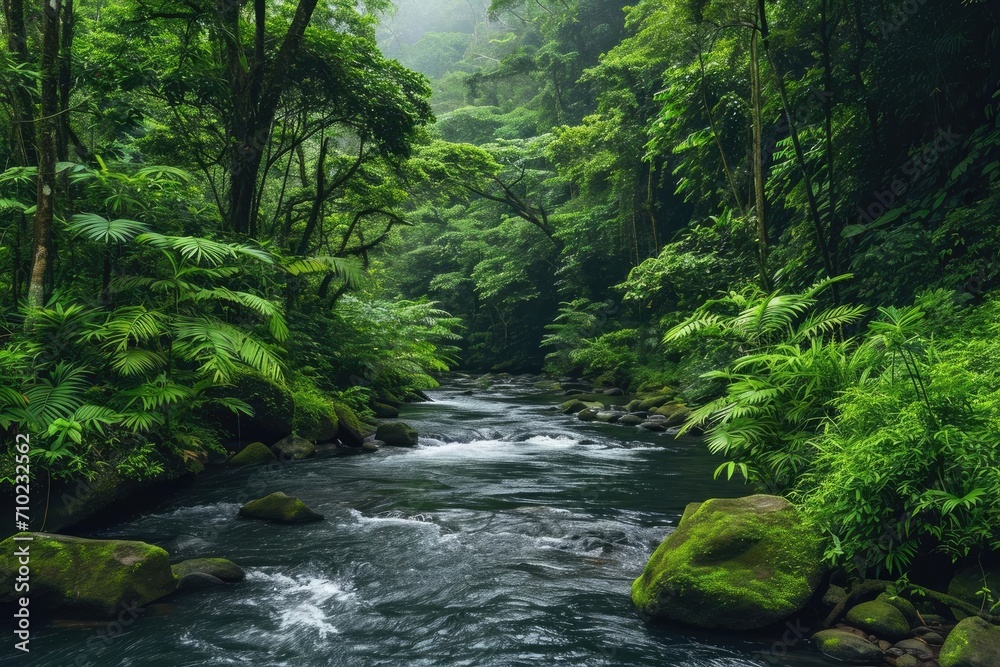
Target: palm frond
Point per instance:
(98, 228)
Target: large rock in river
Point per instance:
(293, 448)
(732, 563)
(396, 434)
(72, 576)
(279, 507)
(973, 643)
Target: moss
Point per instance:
(397, 434)
(88, 577)
(279, 507)
(272, 404)
(904, 606)
(252, 454)
(973, 643)
(315, 417)
(293, 448)
(847, 647)
(351, 431)
(881, 619)
(732, 563)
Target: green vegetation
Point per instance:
(290, 217)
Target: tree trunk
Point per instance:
(41, 266)
(760, 200)
(255, 88)
(22, 106)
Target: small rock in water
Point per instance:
(280, 508)
(847, 647)
(613, 392)
(654, 426)
(220, 568)
(631, 420)
(608, 416)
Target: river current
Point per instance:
(509, 536)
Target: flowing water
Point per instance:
(509, 536)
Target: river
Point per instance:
(509, 536)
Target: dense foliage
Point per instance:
(785, 211)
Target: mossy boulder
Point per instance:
(847, 647)
(653, 402)
(572, 406)
(967, 584)
(732, 563)
(350, 430)
(608, 416)
(220, 568)
(587, 415)
(385, 411)
(253, 454)
(272, 403)
(77, 577)
(905, 607)
(315, 418)
(396, 434)
(280, 508)
(293, 448)
(973, 643)
(880, 619)
(669, 409)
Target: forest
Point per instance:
(223, 222)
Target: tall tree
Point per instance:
(47, 127)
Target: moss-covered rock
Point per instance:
(219, 568)
(847, 647)
(904, 606)
(77, 577)
(668, 409)
(588, 415)
(973, 643)
(608, 416)
(653, 402)
(253, 454)
(967, 584)
(293, 448)
(385, 411)
(315, 418)
(880, 619)
(279, 507)
(738, 564)
(572, 406)
(631, 420)
(351, 431)
(396, 434)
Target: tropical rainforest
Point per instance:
(786, 212)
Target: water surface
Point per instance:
(509, 536)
